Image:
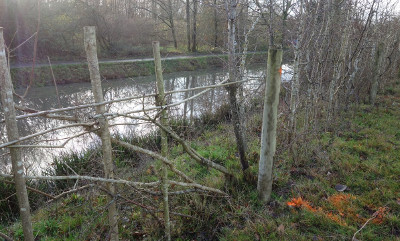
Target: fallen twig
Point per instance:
(379, 212)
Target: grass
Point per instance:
(363, 155)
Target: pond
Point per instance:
(46, 98)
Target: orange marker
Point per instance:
(280, 71)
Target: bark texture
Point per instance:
(160, 99)
(375, 80)
(7, 101)
(233, 89)
(194, 32)
(91, 53)
(188, 24)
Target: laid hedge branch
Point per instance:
(2, 235)
(190, 183)
(189, 150)
(153, 154)
(196, 185)
(45, 132)
(47, 115)
(30, 189)
(95, 179)
(71, 191)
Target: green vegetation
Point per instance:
(364, 155)
(76, 73)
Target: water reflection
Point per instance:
(45, 98)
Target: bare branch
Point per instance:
(12, 50)
(30, 188)
(55, 82)
(44, 112)
(196, 185)
(52, 116)
(157, 107)
(45, 132)
(52, 146)
(71, 191)
(95, 179)
(192, 153)
(153, 154)
(5, 237)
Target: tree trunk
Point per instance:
(154, 11)
(212, 98)
(160, 99)
(294, 93)
(193, 84)
(375, 79)
(237, 126)
(338, 68)
(268, 135)
(194, 32)
(186, 103)
(6, 90)
(232, 89)
(91, 53)
(174, 34)
(188, 25)
(295, 82)
(172, 23)
(215, 24)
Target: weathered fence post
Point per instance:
(7, 100)
(268, 136)
(93, 63)
(160, 99)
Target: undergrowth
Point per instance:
(363, 155)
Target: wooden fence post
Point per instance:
(268, 136)
(160, 99)
(7, 101)
(93, 63)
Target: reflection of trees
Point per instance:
(77, 94)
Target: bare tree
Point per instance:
(160, 98)
(376, 67)
(231, 11)
(188, 25)
(91, 52)
(7, 100)
(194, 32)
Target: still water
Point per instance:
(45, 98)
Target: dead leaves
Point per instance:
(345, 209)
(380, 214)
(300, 203)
